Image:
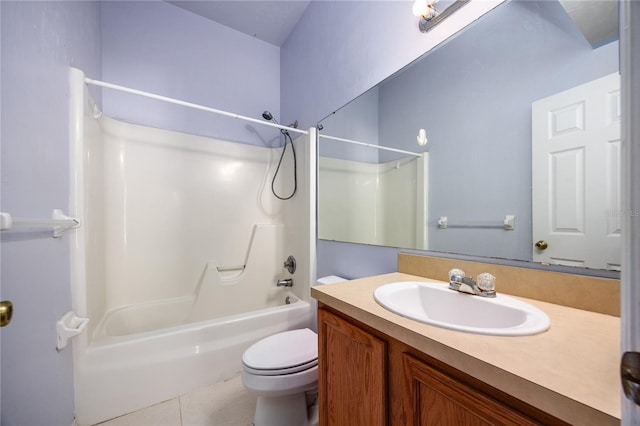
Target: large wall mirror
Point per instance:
(508, 106)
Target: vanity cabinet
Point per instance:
(368, 378)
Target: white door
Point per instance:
(576, 176)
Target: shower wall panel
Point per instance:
(94, 229)
(369, 203)
(397, 203)
(168, 207)
(300, 215)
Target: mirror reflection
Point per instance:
(507, 107)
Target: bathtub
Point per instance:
(121, 374)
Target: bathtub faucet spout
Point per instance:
(284, 283)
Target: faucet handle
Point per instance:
(486, 282)
(456, 275)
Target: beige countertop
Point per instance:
(570, 371)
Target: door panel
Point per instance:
(576, 175)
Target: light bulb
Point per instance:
(420, 7)
(422, 137)
(426, 10)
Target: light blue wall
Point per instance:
(40, 40)
(157, 47)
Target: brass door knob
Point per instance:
(541, 245)
(6, 312)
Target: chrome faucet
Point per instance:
(485, 286)
(287, 282)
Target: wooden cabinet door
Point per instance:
(351, 374)
(432, 398)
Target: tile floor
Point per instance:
(223, 404)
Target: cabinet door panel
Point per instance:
(443, 401)
(351, 374)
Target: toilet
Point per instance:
(282, 370)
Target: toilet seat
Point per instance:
(281, 371)
(284, 353)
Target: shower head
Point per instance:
(269, 117)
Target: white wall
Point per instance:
(40, 40)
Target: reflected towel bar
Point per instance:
(508, 224)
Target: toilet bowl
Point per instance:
(282, 370)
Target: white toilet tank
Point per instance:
(331, 279)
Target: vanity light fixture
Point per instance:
(429, 16)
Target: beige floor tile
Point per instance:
(223, 404)
(164, 414)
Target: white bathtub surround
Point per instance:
(176, 262)
(377, 195)
(178, 214)
(219, 291)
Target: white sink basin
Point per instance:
(435, 304)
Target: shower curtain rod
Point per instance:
(384, 148)
(190, 105)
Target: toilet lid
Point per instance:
(291, 351)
